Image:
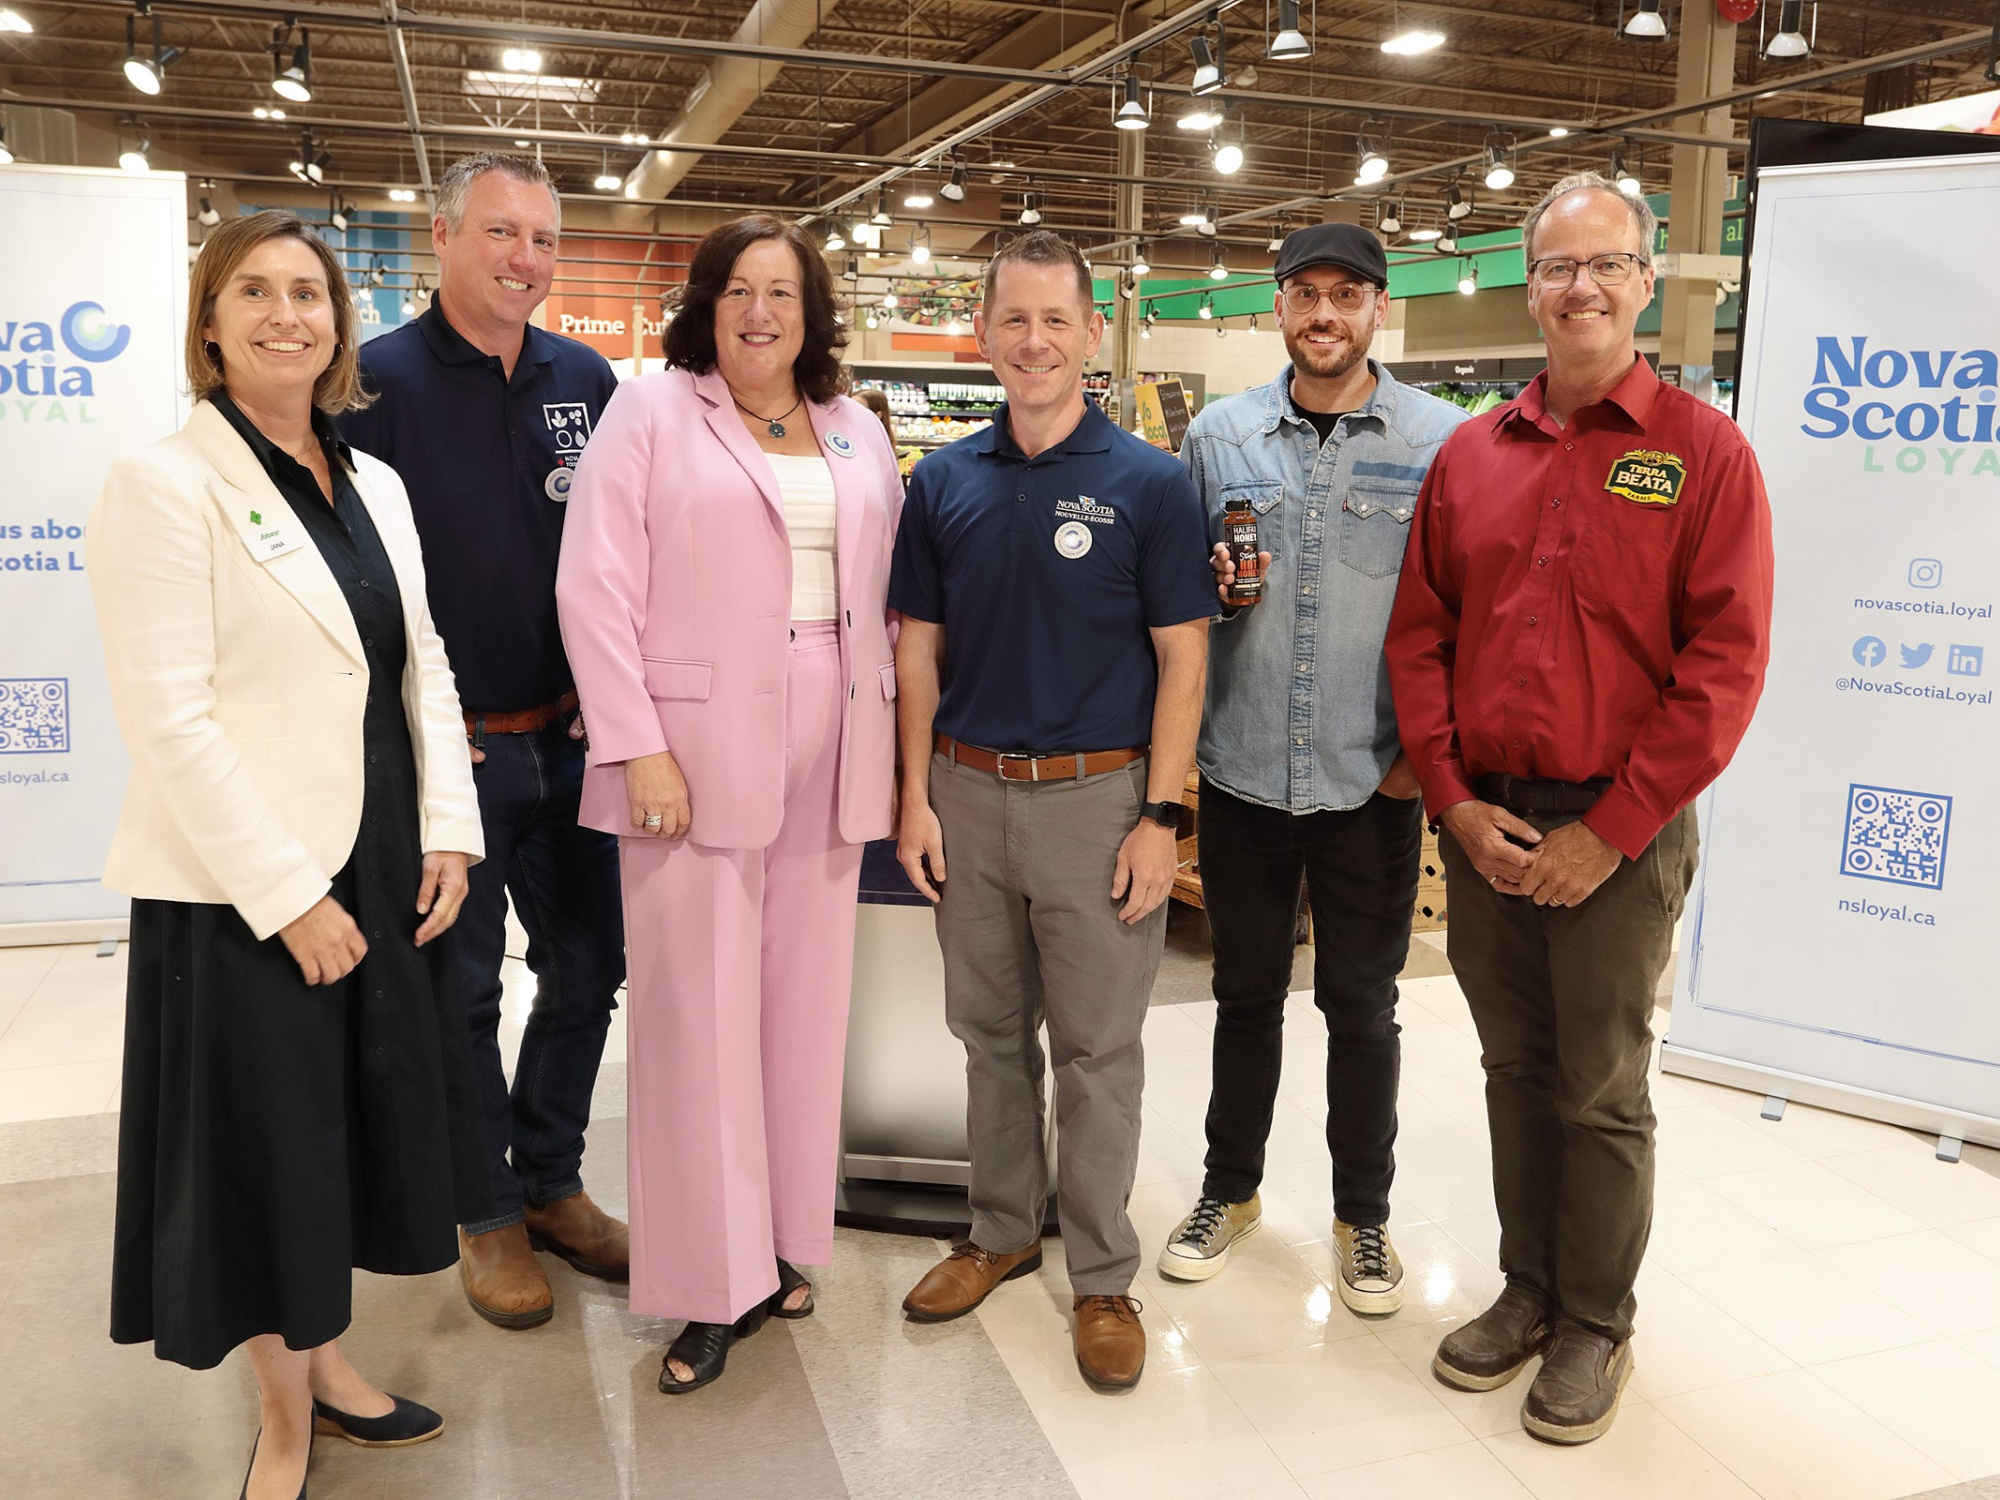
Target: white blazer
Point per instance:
(239, 681)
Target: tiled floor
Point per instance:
(1820, 1318)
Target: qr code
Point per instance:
(34, 715)
(1896, 836)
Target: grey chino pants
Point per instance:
(1030, 934)
(1563, 999)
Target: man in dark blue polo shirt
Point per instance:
(484, 417)
(1053, 579)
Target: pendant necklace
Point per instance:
(773, 425)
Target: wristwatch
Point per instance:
(1166, 814)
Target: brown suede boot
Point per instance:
(583, 1234)
(1110, 1343)
(503, 1281)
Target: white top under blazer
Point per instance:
(805, 485)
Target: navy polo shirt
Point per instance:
(487, 461)
(1046, 574)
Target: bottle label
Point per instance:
(1239, 534)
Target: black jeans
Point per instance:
(564, 880)
(1360, 869)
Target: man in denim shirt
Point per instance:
(1301, 772)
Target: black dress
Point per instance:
(275, 1135)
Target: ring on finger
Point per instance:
(654, 820)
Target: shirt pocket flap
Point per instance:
(888, 681)
(1260, 496)
(678, 679)
(1385, 488)
(254, 721)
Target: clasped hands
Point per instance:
(1559, 868)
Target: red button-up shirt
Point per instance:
(1583, 601)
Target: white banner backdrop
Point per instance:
(93, 294)
(1837, 945)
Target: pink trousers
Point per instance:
(739, 965)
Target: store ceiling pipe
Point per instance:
(729, 87)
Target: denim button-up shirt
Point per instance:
(1299, 715)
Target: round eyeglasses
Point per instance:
(1610, 269)
(1303, 299)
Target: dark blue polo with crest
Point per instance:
(487, 460)
(1046, 574)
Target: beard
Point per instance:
(1324, 364)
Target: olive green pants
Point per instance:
(1563, 999)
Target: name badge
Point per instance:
(266, 533)
(840, 443)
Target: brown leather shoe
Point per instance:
(503, 1281)
(1495, 1346)
(583, 1234)
(1575, 1397)
(1110, 1344)
(960, 1282)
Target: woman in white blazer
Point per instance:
(295, 835)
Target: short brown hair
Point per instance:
(1643, 217)
(1042, 247)
(338, 388)
(690, 337)
(455, 186)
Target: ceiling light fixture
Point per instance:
(1132, 114)
(1031, 209)
(917, 195)
(1469, 282)
(1207, 66)
(1425, 236)
(1207, 308)
(1217, 271)
(291, 78)
(342, 216)
(206, 216)
(608, 181)
(889, 300)
(1457, 203)
(953, 190)
(1140, 265)
(1628, 180)
(520, 60)
(1413, 43)
(1646, 23)
(1391, 220)
(836, 235)
(147, 74)
(920, 245)
(1371, 157)
(853, 271)
(1226, 151)
(1557, 132)
(1288, 43)
(1790, 40)
(13, 20)
(1200, 117)
(137, 158)
(402, 195)
(1277, 239)
(882, 218)
(871, 321)
(1447, 240)
(1499, 164)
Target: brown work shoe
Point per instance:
(503, 1281)
(1490, 1350)
(1575, 1396)
(583, 1234)
(960, 1282)
(1110, 1344)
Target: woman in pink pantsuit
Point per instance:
(722, 585)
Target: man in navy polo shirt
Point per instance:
(1055, 592)
(484, 417)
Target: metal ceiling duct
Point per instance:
(730, 87)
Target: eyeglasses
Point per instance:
(1611, 269)
(1350, 296)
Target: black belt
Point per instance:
(1523, 794)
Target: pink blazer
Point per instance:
(675, 591)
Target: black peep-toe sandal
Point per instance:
(704, 1349)
(789, 1281)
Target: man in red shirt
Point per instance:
(1577, 645)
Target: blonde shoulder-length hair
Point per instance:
(338, 388)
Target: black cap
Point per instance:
(1348, 246)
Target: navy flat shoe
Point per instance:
(407, 1423)
(244, 1493)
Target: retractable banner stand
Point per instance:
(1837, 948)
(93, 292)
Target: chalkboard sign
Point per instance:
(1163, 413)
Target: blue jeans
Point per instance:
(564, 881)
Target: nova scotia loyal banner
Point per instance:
(93, 287)
(1838, 946)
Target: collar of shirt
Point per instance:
(1633, 396)
(1092, 434)
(1382, 403)
(269, 453)
(452, 347)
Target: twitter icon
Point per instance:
(1915, 656)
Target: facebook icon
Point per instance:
(1869, 651)
(1966, 661)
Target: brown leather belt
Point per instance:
(522, 721)
(1012, 767)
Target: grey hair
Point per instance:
(456, 184)
(1041, 247)
(1577, 182)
